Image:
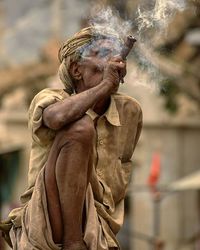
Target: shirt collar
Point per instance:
(111, 114)
(92, 114)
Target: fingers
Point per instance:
(117, 64)
(117, 58)
(114, 69)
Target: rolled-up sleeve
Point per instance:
(40, 133)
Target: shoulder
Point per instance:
(126, 103)
(48, 96)
(48, 93)
(45, 98)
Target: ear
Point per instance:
(75, 72)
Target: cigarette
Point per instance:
(128, 45)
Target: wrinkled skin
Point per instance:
(96, 76)
(101, 64)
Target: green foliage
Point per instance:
(170, 90)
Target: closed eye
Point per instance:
(104, 52)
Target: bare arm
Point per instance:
(61, 113)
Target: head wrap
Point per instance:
(70, 50)
(79, 39)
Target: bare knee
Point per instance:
(81, 131)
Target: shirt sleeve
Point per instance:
(131, 142)
(40, 133)
(134, 128)
(139, 129)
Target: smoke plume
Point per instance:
(110, 20)
(152, 21)
(160, 16)
(152, 24)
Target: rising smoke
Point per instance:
(152, 21)
(110, 20)
(107, 23)
(152, 25)
(161, 14)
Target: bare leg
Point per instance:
(66, 180)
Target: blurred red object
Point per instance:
(155, 169)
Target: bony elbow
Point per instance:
(51, 120)
(56, 122)
(54, 126)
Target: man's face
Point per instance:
(94, 59)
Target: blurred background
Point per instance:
(163, 200)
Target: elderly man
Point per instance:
(83, 138)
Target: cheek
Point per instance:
(92, 78)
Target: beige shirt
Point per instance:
(117, 133)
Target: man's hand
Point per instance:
(110, 70)
(114, 71)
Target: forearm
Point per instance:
(64, 112)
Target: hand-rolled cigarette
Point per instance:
(128, 45)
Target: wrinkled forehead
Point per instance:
(110, 43)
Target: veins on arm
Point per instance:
(74, 107)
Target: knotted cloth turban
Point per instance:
(69, 51)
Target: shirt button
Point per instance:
(99, 172)
(101, 142)
(106, 201)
